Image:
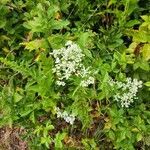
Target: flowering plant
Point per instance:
(68, 62)
(127, 92)
(74, 74)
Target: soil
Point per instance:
(10, 139)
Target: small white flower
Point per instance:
(65, 114)
(60, 83)
(127, 91)
(59, 114)
(57, 60)
(54, 70)
(68, 43)
(69, 118)
(68, 62)
(85, 83)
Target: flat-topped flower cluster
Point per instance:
(69, 118)
(68, 62)
(127, 92)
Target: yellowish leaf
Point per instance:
(132, 47)
(135, 130)
(107, 125)
(34, 45)
(146, 52)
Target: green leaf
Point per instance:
(84, 40)
(131, 23)
(26, 110)
(139, 137)
(111, 2)
(89, 144)
(59, 137)
(139, 36)
(145, 18)
(146, 51)
(46, 140)
(2, 23)
(132, 47)
(49, 126)
(144, 65)
(4, 1)
(147, 83)
(34, 45)
(17, 97)
(130, 6)
(121, 135)
(111, 135)
(147, 140)
(55, 24)
(56, 41)
(32, 117)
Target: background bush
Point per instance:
(114, 36)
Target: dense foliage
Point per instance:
(75, 74)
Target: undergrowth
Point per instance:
(76, 74)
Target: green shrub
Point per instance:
(76, 74)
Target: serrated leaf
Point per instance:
(55, 24)
(56, 41)
(121, 135)
(35, 44)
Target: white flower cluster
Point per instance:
(68, 61)
(85, 75)
(67, 117)
(127, 91)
